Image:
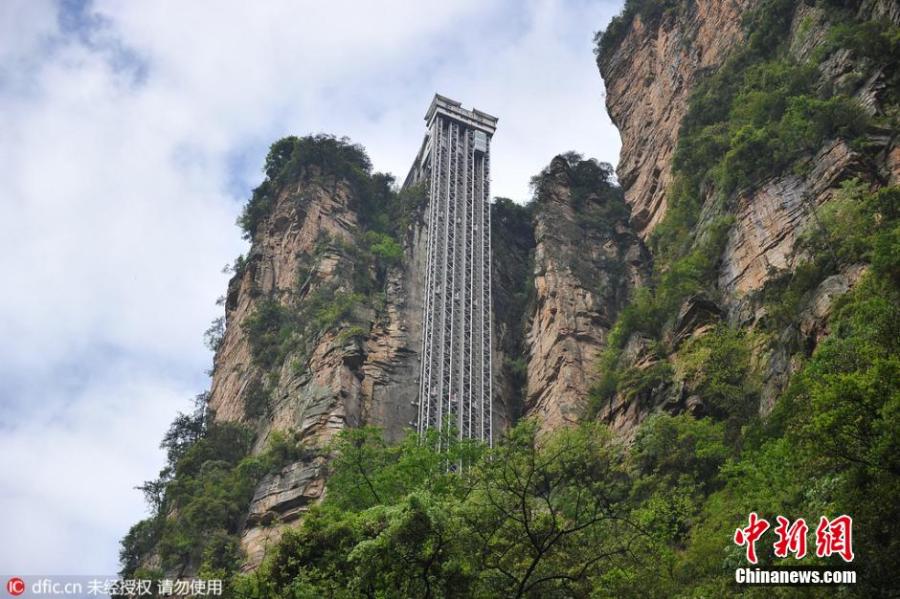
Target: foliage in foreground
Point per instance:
(527, 518)
(574, 514)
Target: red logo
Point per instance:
(833, 536)
(15, 586)
(791, 539)
(748, 536)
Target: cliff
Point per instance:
(746, 193)
(322, 332)
(654, 58)
(649, 74)
(319, 335)
(587, 263)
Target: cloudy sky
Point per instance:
(130, 135)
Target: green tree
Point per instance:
(548, 513)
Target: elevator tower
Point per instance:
(455, 377)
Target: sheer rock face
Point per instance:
(586, 263)
(304, 214)
(648, 80)
(332, 380)
(770, 219)
(391, 370)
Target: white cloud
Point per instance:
(131, 132)
(70, 470)
(24, 28)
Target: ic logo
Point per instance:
(15, 586)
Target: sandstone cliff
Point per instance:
(587, 262)
(654, 58)
(350, 359)
(648, 78)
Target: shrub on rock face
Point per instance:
(270, 330)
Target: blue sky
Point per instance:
(130, 136)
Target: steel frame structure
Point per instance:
(455, 384)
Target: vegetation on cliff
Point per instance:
(820, 452)
(650, 12)
(288, 323)
(761, 113)
(512, 246)
(201, 498)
